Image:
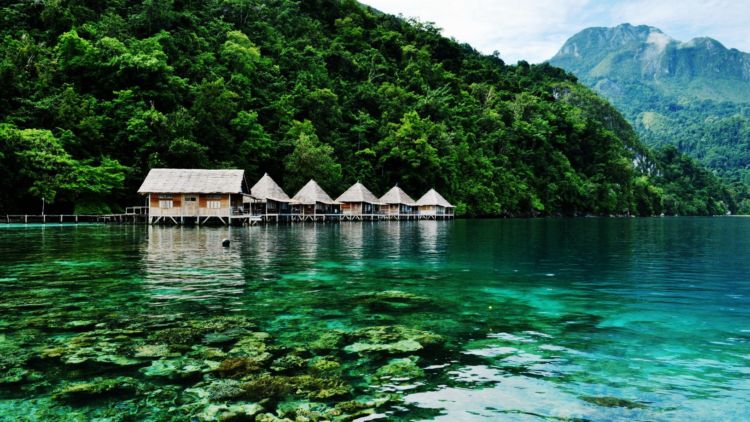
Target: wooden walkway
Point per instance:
(130, 217)
(71, 218)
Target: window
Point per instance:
(213, 200)
(165, 203)
(190, 198)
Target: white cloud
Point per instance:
(728, 21)
(534, 30)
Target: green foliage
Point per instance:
(92, 95)
(310, 159)
(44, 170)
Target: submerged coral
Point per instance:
(393, 300)
(98, 388)
(229, 412)
(400, 369)
(393, 339)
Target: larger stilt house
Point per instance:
(197, 195)
(312, 203)
(269, 199)
(358, 202)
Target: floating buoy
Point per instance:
(225, 243)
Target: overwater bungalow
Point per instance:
(193, 195)
(312, 203)
(358, 203)
(269, 200)
(397, 204)
(432, 205)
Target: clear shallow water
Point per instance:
(590, 319)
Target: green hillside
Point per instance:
(93, 94)
(694, 95)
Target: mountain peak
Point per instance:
(701, 68)
(703, 42)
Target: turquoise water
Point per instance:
(561, 319)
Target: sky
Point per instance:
(533, 30)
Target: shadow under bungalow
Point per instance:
(193, 196)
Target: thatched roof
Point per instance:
(193, 181)
(312, 193)
(358, 193)
(433, 198)
(267, 188)
(396, 196)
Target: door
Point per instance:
(191, 205)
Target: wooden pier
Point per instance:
(226, 220)
(131, 215)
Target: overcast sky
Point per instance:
(534, 30)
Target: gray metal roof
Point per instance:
(312, 193)
(396, 196)
(433, 198)
(193, 181)
(267, 188)
(358, 193)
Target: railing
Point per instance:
(142, 210)
(51, 218)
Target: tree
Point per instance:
(310, 159)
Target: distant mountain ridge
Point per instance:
(694, 95)
(702, 67)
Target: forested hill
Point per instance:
(694, 95)
(93, 94)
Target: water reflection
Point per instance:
(190, 265)
(352, 234)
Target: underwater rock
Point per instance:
(200, 351)
(277, 386)
(154, 351)
(239, 366)
(176, 369)
(392, 339)
(85, 355)
(288, 363)
(224, 337)
(100, 346)
(321, 387)
(329, 341)
(270, 417)
(12, 376)
(231, 412)
(268, 387)
(12, 355)
(393, 300)
(399, 347)
(303, 411)
(221, 390)
(223, 323)
(99, 388)
(80, 325)
(177, 336)
(355, 409)
(400, 369)
(322, 364)
(608, 401)
(253, 346)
